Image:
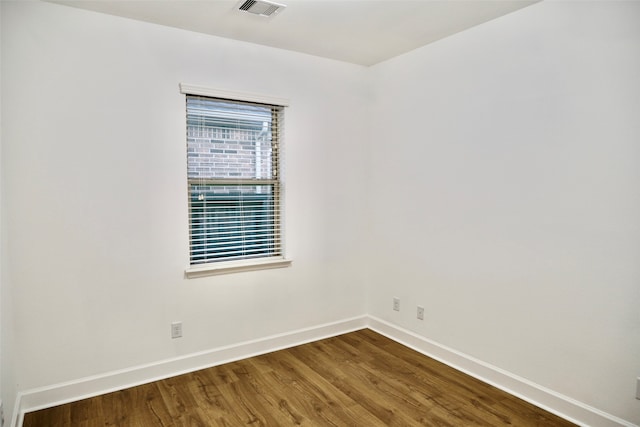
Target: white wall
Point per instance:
(7, 382)
(95, 180)
(506, 177)
(1, 230)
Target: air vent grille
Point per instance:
(261, 7)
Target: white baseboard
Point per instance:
(556, 403)
(58, 394)
(563, 406)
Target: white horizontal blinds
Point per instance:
(233, 171)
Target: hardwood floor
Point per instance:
(356, 379)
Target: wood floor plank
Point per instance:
(181, 403)
(357, 379)
(320, 400)
(347, 376)
(270, 394)
(85, 412)
(210, 401)
(116, 409)
(56, 416)
(150, 407)
(426, 394)
(246, 400)
(420, 402)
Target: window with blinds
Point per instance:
(234, 180)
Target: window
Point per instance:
(235, 188)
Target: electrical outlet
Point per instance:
(420, 313)
(638, 388)
(176, 329)
(396, 304)
(1, 414)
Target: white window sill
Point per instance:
(226, 267)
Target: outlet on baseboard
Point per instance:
(396, 304)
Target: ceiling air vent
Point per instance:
(261, 7)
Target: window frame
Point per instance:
(257, 263)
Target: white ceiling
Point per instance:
(358, 31)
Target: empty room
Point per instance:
(431, 209)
